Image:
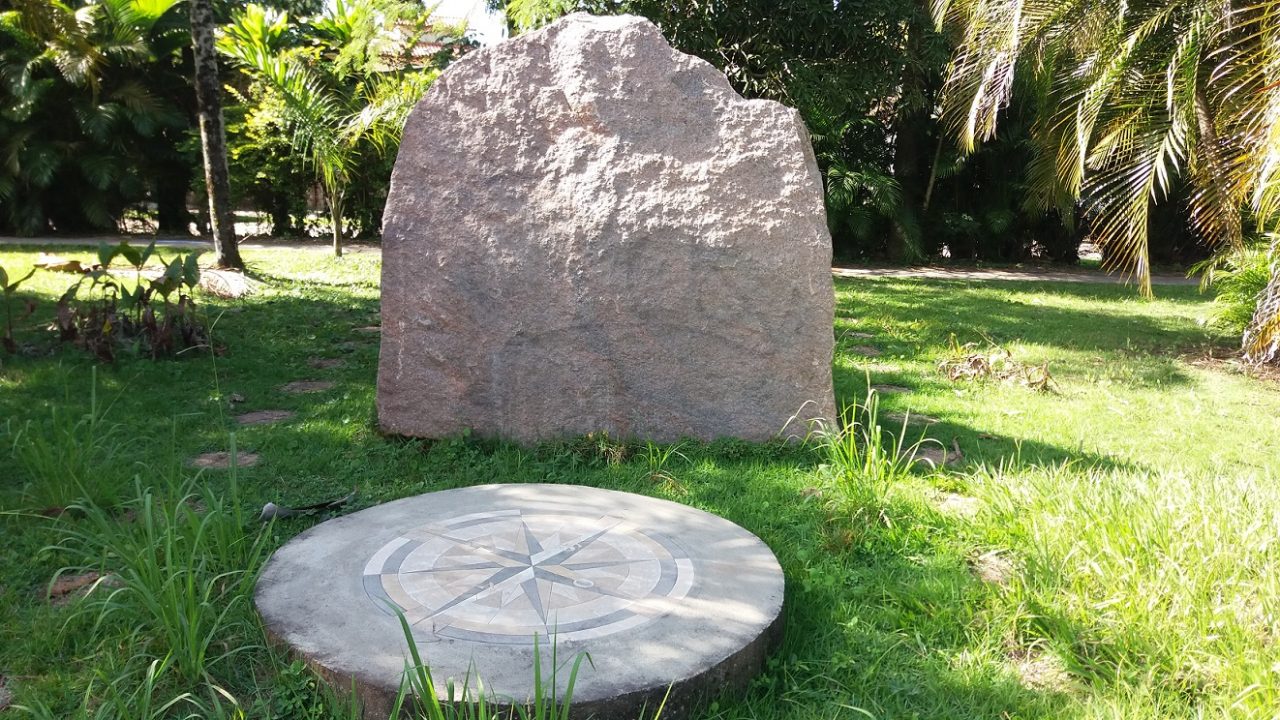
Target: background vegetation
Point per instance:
(97, 110)
(867, 77)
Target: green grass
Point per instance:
(1133, 512)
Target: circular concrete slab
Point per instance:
(658, 594)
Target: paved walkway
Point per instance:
(932, 272)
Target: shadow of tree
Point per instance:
(883, 623)
(931, 311)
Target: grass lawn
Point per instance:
(1108, 550)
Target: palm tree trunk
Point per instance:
(213, 139)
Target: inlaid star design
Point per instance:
(509, 576)
(528, 566)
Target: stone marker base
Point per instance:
(660, 595)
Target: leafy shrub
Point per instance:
(154, 313)
(8, 288)
(1238, 277)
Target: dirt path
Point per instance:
(932, 272)
(1030, 274)
(92, 241)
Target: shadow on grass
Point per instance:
(877, 621)
(935, 309)
(978, 445)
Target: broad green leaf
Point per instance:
(131, 254)
(191, 269)
(106, 253)
(8, 287)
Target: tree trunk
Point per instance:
(172, 217)
(1262, 337)
(213, 139)
(911, 137)
(911, 142)
(281, 218)
(335, 214)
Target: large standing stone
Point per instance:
(589, 231)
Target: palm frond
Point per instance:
(530, 14)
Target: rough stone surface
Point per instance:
(589, 231)
(659, 594)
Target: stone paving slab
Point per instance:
(265, 417)
(307, 387)
(221, 460)
(659, 594)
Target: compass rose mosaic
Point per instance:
(507, 575)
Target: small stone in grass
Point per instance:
(891, 389)
(911, 418)
(264, 417)
(302, 387)
(221, 460)
(935, 456)
(370, 329)
(959, 505)
(993, 568)
(6, 695)
(320, 363)
(859, 335)
(1040, 671)
(234, 398)
(68, 586)
(930, 455)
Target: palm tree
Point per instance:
(1134, 95)
(346, 98)
(213, 139)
